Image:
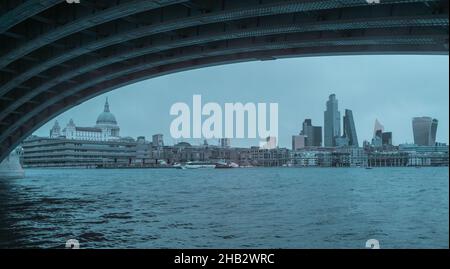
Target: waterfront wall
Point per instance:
(62, 152)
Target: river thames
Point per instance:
(227, 208)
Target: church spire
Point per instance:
(106, 105)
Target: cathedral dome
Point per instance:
(106, 117)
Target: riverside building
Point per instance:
(101, 146)
(76, 146)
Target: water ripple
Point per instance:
(248, 208)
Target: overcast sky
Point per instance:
(392, 89)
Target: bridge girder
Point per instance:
(20, 12)
(58, 66)
(153, 48)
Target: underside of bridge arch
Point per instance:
(56, 55)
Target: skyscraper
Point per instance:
(349, 129)
(313, 134)
(377, 140)
(317, 134)
(157, 140)
(386, 138)
(434, 126)
(378, 127)
(332, 122)
(424, 129)
(380, 137)
(306, 123)
(298, 142)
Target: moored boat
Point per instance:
(223, 164)
(197, 165)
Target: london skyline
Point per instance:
(140, 110)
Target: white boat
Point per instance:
(224, 164)
(10, 167)
(234, 165)
(177, 165)
(197, 165)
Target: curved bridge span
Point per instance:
(55, 55)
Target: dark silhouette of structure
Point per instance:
(313, 134)
(56, 55)
(424, 130)
(332, 122)
(350, 129)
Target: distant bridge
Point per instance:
(55, 55)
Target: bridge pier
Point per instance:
(10, 167)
